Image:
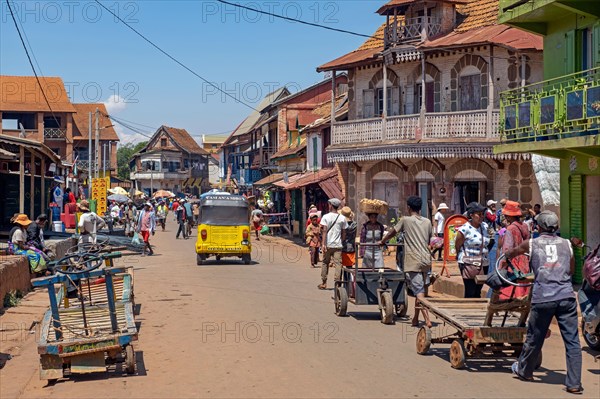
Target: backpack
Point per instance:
(591, 269)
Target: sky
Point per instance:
(244, 53)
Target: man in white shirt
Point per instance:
(334, 228)
(438, 228)
(89, 224)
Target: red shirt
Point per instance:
(72, 199)
(175, 205)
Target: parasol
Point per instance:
(162, 194)
(118, 190)
(118, 198)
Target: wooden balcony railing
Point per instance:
(437, 126)
(53, 133)
(410, 29)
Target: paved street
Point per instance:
(264, 330)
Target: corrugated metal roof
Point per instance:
(251, 120)
(312, 178)
(332, 187)
(496, 34)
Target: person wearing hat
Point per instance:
(147, 225)
(372, 232)
(417, 258)
(334, 233)
(438, 228)
(348, 246)
(553, 264)
(313, 239)
(312, 210)
(18, 245)
(181, 219)
(35, 236)
(472, 241)
(89, 224)
(161, 214)
(516, 233)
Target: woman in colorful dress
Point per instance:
(313, 239)
(18, 246)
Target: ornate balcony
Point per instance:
(410, 29)
(52, 133)
(551, 114)
(437, 126)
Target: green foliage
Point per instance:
(12, 298)
(124, 155)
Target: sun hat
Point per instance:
(346, 211)
(443, 206)
(84, 205)
(314, 216)
(23, 220)
(512, 208)
(491, 202)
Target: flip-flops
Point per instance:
(574, 391)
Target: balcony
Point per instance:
(267, 152)
(163, 175)
(51, 133)
(410, 29)
(437, 126)
(553, 114)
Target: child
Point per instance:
(313, 239)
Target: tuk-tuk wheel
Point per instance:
(387, 308)
(423, 340)
(458, 355)
(129, 359)
(341, 300)
(246, 259)
(200, 259)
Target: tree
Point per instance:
(124, 155)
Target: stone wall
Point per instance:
(14, 270)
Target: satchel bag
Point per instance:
(591, 269)
(473, 265)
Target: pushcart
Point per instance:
(383, 287)
(85, 338)
(485, 328)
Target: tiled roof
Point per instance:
(81, 120)
(395, 3)
(23, 93)
(479, 13)
(368, 50)
(183, 139)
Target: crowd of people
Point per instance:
(528, 237)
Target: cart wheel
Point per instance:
(538, 362)
(458, 355)
(592, 340)
(246, 259)
(199, 259)
(387, 308)
(129, 359)
(341, 300)
(423, 340)
(402, 309)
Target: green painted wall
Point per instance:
(560, 45)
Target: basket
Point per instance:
(373, 206)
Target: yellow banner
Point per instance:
(99, 187)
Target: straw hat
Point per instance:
(23, 220)
(84, 205)
(347, 212)
(443, 206)
(512, 208)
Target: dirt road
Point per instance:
(264, 330)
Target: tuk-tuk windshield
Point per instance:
(224, 215)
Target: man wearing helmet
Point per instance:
(551, 258)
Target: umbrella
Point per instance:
(139, 193)
(162, 194)
(118, 190)
(118, 198)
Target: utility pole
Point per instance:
(97, 152)
(90, 152)
(104, 160)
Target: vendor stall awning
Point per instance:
(265, 181)
(332, 187)
(313, 178)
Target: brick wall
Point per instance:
(14, 270)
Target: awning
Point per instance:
(291, 180)
(265, 181)
(332, 187)
(313, 178)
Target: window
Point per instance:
(470, 92)
(315, 149)
(56, 151)
(52, 122)
(429, 96)
(163, 142)
(379, 102)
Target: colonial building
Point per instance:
(63, 127)
(423, 108)
(560, 116)
(172, 160)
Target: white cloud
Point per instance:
(115, 103)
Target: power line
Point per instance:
(173, 58)
(32, 67)
(300, 21)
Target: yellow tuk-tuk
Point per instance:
(223, 228)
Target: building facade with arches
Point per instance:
(423, 111)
